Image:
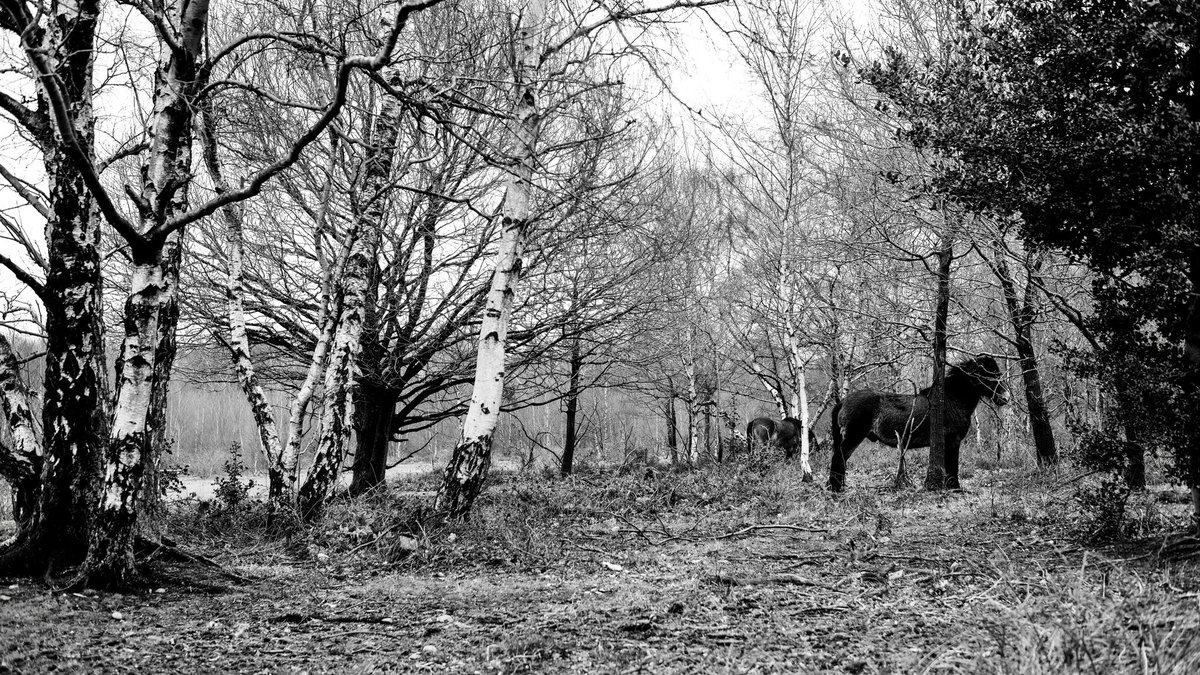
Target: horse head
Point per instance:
(985, 373)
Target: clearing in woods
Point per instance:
(729, 569)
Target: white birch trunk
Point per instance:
(150, 309)
(800, 396)
(693, 404)
(281, 484)
(774, 392)
(326, 326)
(299, 410)
(341, 371)
(341, 364)
(111, 552)
(469, 464)
(21, 461)
(805, 449)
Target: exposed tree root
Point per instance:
(149, 549)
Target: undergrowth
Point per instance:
(534, 519)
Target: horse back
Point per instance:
(760, 429)
(787, 432)
(858, 405)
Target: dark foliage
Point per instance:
(1078, 120)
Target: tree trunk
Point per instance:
(358, 318)
(110, 554)
(337, 420)
(576, 367)
(672, 429)
(468, 466)
(374, 405)
(298, 414)
(374, 414)
(708, 431)
(805, 431)
(693, 446)
(280, 490)
(1021, 315)
(151, 311)
(75, 420)
(164, 362)
(20, 463)
(1192, 353)
(942, 470)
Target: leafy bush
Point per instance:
(231, 493)
(1103, 500)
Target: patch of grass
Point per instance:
(721, 569)
(1108, 619)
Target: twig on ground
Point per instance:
(589, 549)
(769, 579)
(297, 617)
(173, 549)
(388, 530)
(756, 528)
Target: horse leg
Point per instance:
(843, 447)
(952, 446)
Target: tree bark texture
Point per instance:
(20, 462)
(151, 313)
(672, 429)
(327, 325)
(110, 556)
(75, 419)
(358, 281)
(337, 420)
(693, 445)
(1021, 313)
(806, 430)
(374, 405)
(468, 466)
(281, 480)
(943, 452)
(374, 414)
(575, 367)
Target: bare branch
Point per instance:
(28, 192)
(255, 184)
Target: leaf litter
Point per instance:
(771, 576)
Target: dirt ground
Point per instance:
(737, 571)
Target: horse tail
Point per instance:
(837, 462)
(835, 428)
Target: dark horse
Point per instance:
(902, 420)
(783, 434)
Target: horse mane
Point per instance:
(963, 375)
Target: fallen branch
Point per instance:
(1177, 549)
(154, 548)
(770, 579)
(297, 617)
(756, 528)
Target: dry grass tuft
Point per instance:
(725, 568)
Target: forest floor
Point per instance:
(728, 569)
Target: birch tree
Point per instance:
(775, 184)
(541, 42)
(59, 44)
(154, 237)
